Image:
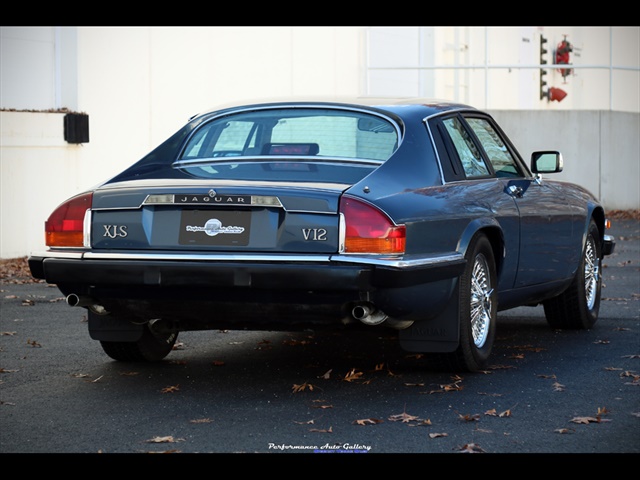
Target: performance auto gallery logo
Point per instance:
(213, 227)
(326, 448)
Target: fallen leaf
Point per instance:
(326, 374)
(4, 370)
(586, 420)
(171, 389)
(403, 417)
(452, 387)
(128, 374)
(330, 430)
(491, 412)
(482, 430)
(80, 375)
(33, 343)
(308, 422)
(436, 435)
(421, 423)
(352, 375)
(501, 367)
(469, 418)
(602, 342)
(201, 420)
(415, 356)
(471, 448)
(564, 430)
(558, 387)
(367, 421)
(302, 387)
(168, 439)
(10, 334)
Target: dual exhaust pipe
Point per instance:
(364, 312)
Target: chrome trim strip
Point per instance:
(356, 259)
(58, 254)
(400, 262)
(216, 257)
(273, 158)
(86, 229)
(170, 199)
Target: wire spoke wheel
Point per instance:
(591, 273)
(480, 301)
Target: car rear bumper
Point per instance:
(291, 272)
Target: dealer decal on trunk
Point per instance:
(213, 227)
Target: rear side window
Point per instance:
(499, 155)
(470, 156)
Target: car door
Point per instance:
(546, 249)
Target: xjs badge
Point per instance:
(213, 227)
(113, 231)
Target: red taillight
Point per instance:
(369, 230)
(64, 227)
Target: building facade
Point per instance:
(137, 85)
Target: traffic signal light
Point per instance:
(543, 51)
(543, 61)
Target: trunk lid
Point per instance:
(223, 215)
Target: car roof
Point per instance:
(423, 107)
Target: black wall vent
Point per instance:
(76, 128)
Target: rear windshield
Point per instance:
(289, 144)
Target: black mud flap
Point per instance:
(440, 334)
(113, 329)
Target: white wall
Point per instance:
(140, 84)
(39, 170)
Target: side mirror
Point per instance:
(546, 162)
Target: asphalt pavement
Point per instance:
(546, 392)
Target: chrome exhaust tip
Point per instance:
(368, 314)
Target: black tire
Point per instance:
(478, 311)
(578, 306)
(150, 347)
